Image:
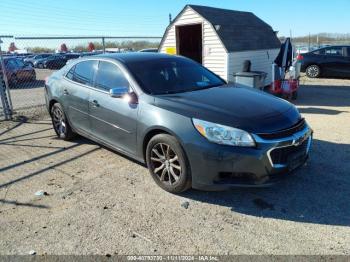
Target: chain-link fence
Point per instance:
(28, 61)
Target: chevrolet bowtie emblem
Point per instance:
(298, 141)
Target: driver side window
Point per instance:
(110, 76)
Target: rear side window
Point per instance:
(84, 72)
(110, 76)
(334, 51)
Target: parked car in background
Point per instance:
(82, 54)
(332, 61)
(17, 71)
(59, 61)
(149, 50)
(31, 59)
(188, 125)
(39, 63)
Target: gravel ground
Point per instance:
(99, 202)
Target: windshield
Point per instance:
(172, 75)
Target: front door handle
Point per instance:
(94, 103)
(65, 92)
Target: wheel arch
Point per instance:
(51, 103)
(150, 133)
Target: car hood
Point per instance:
(244, 108)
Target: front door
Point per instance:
(113, 120)
(189, 41)
(76, 93)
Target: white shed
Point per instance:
(222, 40)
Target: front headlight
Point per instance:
(224, 135)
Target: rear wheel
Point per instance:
(60, 123)
(313, 71)
(168, 164)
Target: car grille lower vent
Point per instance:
(280, 155)
(285, 132)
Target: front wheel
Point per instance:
(33, 77)
(60, 123)
(168, 164)
(313, 71)
(13, 81)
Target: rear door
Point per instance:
(335, 61)
(113, 120)
(76, 93)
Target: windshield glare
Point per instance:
(168, 76)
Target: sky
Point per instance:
(150, 17)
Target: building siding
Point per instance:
(261, 61)
(215, 57)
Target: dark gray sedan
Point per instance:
(183, 121)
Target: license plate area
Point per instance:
(296, 160)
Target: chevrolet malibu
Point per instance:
(188, 126)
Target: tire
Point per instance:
(33, 77)
(313, 71)
(13, 82)
(168, 164)
(60, 123)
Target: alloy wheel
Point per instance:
(59, 121)
(165, 164)
(313, 71)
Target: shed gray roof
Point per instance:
(239, 31)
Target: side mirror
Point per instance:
(118, 92)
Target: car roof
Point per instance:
(134, 57)
(330, 46)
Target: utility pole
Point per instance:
(4, 88)
(104, 45)
(309, 42)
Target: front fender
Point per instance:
(152, 118)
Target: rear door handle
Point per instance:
(94, 103)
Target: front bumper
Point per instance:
(220, 167)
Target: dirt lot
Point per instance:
(30, 94)
(99, 202)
